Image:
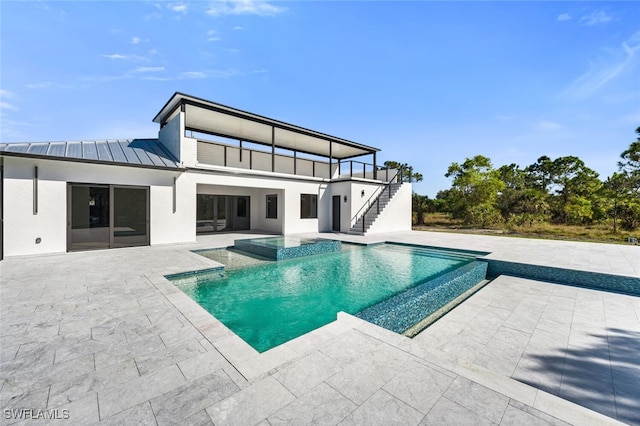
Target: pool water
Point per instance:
(272, 303)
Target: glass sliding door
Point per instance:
(221, 213)
(217, 213)
(204, 214)
(130, 216)
(241, 215)
(106, 216)
(89, 217)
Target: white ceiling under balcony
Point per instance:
(209, 117)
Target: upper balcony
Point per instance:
(253, 142)
(238, 156)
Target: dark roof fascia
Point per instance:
(84, 160)
(217, 107)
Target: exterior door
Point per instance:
(336, 213)
(89, 218)
(106, 216)
(130, 216)
(222, 213)
(241, 214)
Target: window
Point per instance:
(272, 206)
(308, 206)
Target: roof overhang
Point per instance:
(217, 119)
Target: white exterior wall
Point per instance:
(257, 187)
(258, 204)
(22, 227)
(397, 214)
(171, 135)
(353, 189)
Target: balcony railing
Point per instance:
(217, 154)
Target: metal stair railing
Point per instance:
(377, 194)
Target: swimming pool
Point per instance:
(271, 303)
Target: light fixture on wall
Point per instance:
(362, 193)
(345, 198)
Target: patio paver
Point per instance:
(103, 335)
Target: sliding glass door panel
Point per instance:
(89, 218)
(130, 216)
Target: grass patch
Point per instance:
(594, 233)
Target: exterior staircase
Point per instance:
(374, 209)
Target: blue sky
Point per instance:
(429, 83)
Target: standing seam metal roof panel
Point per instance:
(74, 150)
(140, 152)
(116, 151)
(165, 157)
(38, 148)
(138, 148)
(89, 150)
(149, 148)
(57, 149)
(129, 153)
(104, 153)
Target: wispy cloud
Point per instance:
(138, 40)
(212, 35)
(548, 125)
(618, 61)
(238, 28)
(204, 74)
(121, 57)
(193, 74)
(564, 17)
(43, 85)
(114, 56)
(7, 105)
(243, 7)
(179, 7)
(6, 94)
(595, 18)
(147, 69)
(12, 129)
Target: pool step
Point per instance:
(430, 252)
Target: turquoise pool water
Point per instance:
(269, 304)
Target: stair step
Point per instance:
(371, 215)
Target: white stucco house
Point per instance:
(212, 168)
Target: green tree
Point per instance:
(474, 192)
(421, 204)
(622, 189)
(407, 174)
(630, 162)
(540, 174)
(615, 189)
(572, 179)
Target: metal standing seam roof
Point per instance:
(131, 152)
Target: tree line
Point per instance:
(561, 190)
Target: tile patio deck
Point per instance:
(105, 337)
